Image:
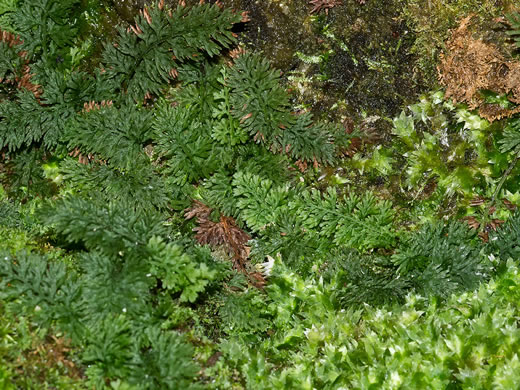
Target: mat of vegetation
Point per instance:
(170, 220)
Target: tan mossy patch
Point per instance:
(471, 65)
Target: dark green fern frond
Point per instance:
(33, 285)
(217, 192)
(7, 9)
(22, 121)
(514, 20)
(504, 243)
(47, 27)
(146, 56)
(114, 134)
(25, 175)
(363, 223)
(442, 259)
(186, 146)
(259, 102)
(363, 280)
(356, 222)
(306, 141)
(28, 119)
(258, 199)
(200, 88)
(511, 140)
(165, 362)
(11, 62)
(108, 228)
(300, 249)
(139, 188)
(116, 284)
(109, 350)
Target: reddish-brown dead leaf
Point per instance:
(224, 233)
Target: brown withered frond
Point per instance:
(23, 79)
(224, 233)
(325, 5)
(355, 142)
(96, 106)
(237, 52)
(471, 65)
(10, 38)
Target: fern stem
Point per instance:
(504, 177)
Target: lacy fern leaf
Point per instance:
(145, 57)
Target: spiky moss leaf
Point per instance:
(418, 345)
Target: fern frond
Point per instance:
(47, 27)
(359, 280)
(358, 222)
(504, 243)
(442, 259)
(116, 284)
(139, 188)
(261, 106)
(259, 102)
(25, 175)
(104, 227)
(258, 200)
(177, 271)
(145, 58)
(165, 362)
(7, 8)
(511, 140)
(22, 121)
(514, 20)
(186, 146)
(114, 134)
(32, 284)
